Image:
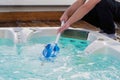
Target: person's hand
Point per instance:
(64, 27)
(64, 17)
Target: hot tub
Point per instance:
(84, 55)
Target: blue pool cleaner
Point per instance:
(51, 50)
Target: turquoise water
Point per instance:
(23, 61)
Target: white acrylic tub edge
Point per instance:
(98, 40)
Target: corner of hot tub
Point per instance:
(7, 33)
(100, 42)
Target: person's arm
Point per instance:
(79, 13)
(82, 11)
(71, 10)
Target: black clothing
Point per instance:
(103, 15)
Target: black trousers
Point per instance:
(103, 15)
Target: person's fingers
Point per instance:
(64, 18)
(59, 30)
(62, 29)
